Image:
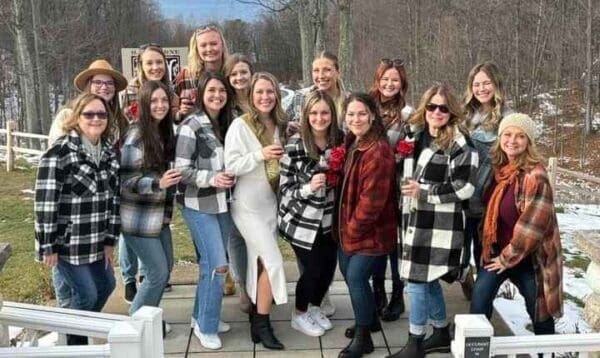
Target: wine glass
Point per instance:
(322, 168)
(229, 195)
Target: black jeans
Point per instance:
(381, 266)
(318, 269)
(523, 276)
(472, 236)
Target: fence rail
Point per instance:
(474, 337)
(12, 148)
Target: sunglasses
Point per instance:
(431, 107)
(100, 83)
(150, 44)
(91, 115)
(395, 62)
(204, 29)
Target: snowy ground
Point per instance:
(575, 218)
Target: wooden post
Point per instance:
(10, 155)
(552, 164)
(472, 336)
(152, 338)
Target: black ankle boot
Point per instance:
(379, 295)
(438, 342)
(396, 306)
(359, 345)
(374, 327)
(412, 349)
(261, 331)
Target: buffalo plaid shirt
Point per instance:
(76, 202)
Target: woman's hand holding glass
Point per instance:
(273, 151)
(169, 178)
(410, 188)
(317, 182)
(224, 179)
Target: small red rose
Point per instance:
(405, 148)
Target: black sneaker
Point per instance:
(130, 291)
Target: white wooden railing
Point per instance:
(11, 148)
(139, 336)
(474, 337)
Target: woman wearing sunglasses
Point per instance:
(439, 168)
(77, 206)
(485, 106)
(102, 80)
(207, 51)
(389, 92)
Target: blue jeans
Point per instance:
(523, 276)
(238, 257)
(426, 303)
(129, 262)
(61, 289)
(91, 285)
(210, 233)
(157, 256)
(380, 267)
(357, 269)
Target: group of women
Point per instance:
(354, 179)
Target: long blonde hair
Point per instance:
(472, 105)
(277, 113)
(530, 157)
(195, 63)
(446, 133)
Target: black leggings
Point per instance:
(318, 270)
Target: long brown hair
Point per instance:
(399, 100)
(230, 63)
(377, 130)
(472, 105)
(220, 124)
(446, 133)
(141, 77)
(158, 139)
(306, 133)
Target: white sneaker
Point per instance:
(193, 323)
(224, 327)
(210, 341)
(306, 324)
(319, 317)
(327, 306)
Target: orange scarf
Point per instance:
(504, 178)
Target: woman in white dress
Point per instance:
(252, 152)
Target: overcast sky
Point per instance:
(204, 11)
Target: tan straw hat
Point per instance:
(100, 67)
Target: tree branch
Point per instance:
(284, 4)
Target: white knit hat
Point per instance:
(521, 121)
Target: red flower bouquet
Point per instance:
(336, 164)
(405, 148)
(133, 109)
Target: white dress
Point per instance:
(254, 210)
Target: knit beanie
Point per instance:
(521, 121)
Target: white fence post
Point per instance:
(472, 336)
(552, 165)
(125, 340)
(10, 154)
(152, 337)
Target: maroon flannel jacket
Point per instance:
(366, 221)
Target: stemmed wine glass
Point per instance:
(230, 175)
(323, 167)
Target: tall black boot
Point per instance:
(359, 345)
(396, 306)
(262, 331)
(373, 327)
(379, 295)
(412, 349)
(438, 342)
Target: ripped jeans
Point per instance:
(210, 233)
